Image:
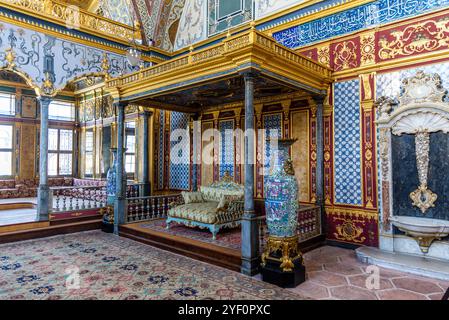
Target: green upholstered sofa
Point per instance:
(220, 206)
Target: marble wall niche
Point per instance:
(405, 175)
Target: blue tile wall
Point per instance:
(355, 19)
(273, 127)
(180, 173)
(227, 147)
(348, 181)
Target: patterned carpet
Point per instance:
(117, 268)
(228, 238)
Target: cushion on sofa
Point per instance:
(7, 184)
(192, 197)
(215, 194)
(227, 199)
(205, 212)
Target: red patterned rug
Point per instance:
(96, 265)
(228, 238)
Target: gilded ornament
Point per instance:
(422, 37)
(105, 65)
(368, 155)
(10, 58)
(367, 49)
(345, 55)
(286, 248)
(349, 231)
(422, 197)
(47, 85)
(324, 55)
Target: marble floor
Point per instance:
(16, 216)
(335, 273)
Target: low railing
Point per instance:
(78, 198)
(309, 225)
(149, 208)
(135, 190)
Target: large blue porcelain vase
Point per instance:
(281, 194)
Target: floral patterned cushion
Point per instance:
(192, 197)
(7, 184)
(205, 212)
(215, 194)
(227, 199)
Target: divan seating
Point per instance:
(215, 207)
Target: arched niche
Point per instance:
(414, 163)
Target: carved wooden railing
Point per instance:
(78, 198)
(87, 197)
(74, 17)
(149, 208)
(135, 190)
(243, 40)
(309, 225)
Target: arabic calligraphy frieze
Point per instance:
(365, 16)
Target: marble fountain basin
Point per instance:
(424, 230)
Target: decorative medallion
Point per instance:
(367, 49)
(345, 56)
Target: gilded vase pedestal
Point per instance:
(282, 261)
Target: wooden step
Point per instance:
(51, 230)
(206, 252)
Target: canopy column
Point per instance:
(250, 229)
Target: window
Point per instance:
(60, 152)
(228, 8)
(61, 110)
(89, 152)
(7, 104)
(6, 143)
(130, 155)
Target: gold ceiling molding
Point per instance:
(73, 17)
(250, 48)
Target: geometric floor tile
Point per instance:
(335, 273)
